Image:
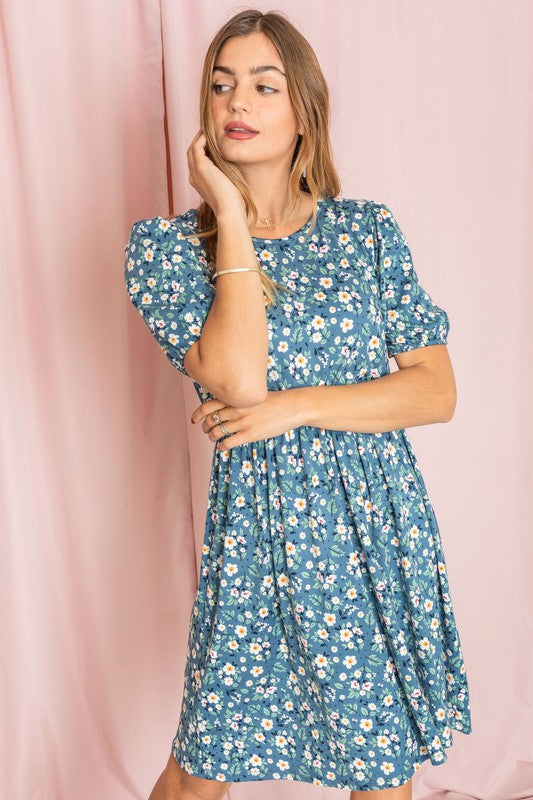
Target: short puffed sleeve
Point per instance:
(411, 317)
(168, 281)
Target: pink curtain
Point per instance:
(104, 480)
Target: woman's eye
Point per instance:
(216, 86)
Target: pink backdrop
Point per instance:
(104, 479)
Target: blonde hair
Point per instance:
(312, 169)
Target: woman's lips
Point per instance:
(241, 134)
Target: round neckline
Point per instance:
(294, 233)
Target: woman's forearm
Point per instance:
(402, 399)
(233, 348)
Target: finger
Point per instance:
(209, 407)
(217, 432)
(190, 162)
(229, 442)
(193, 145)
(199, 141)
(195, 150)
(224, 414)
(198, 414)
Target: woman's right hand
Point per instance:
(209, 181)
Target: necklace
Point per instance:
(267, 219)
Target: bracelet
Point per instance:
(237, 269)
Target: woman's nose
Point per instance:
(239, 98)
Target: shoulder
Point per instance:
(358, 213)
(360, 208)
(155, 238)
(164, 251)
(360, 219)
(162, 228)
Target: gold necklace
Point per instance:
(265, 220)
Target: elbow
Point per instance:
(448, 407)
(234, 392)
(244, 392)
(243, 396)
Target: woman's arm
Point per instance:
(230, 357)
(233, 348)
(421, 392)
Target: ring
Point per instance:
(224, 429)
(215, 416)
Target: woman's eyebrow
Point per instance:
(252, 71)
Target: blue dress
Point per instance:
(322, 640)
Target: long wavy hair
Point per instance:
(312, 169)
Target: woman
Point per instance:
(322, 645)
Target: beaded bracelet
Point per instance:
(237, 269)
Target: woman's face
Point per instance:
(260, 100)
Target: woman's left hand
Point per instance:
(277, 414)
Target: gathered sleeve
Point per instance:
(411, 317)
(168, 281)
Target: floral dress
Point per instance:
(322, 640)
